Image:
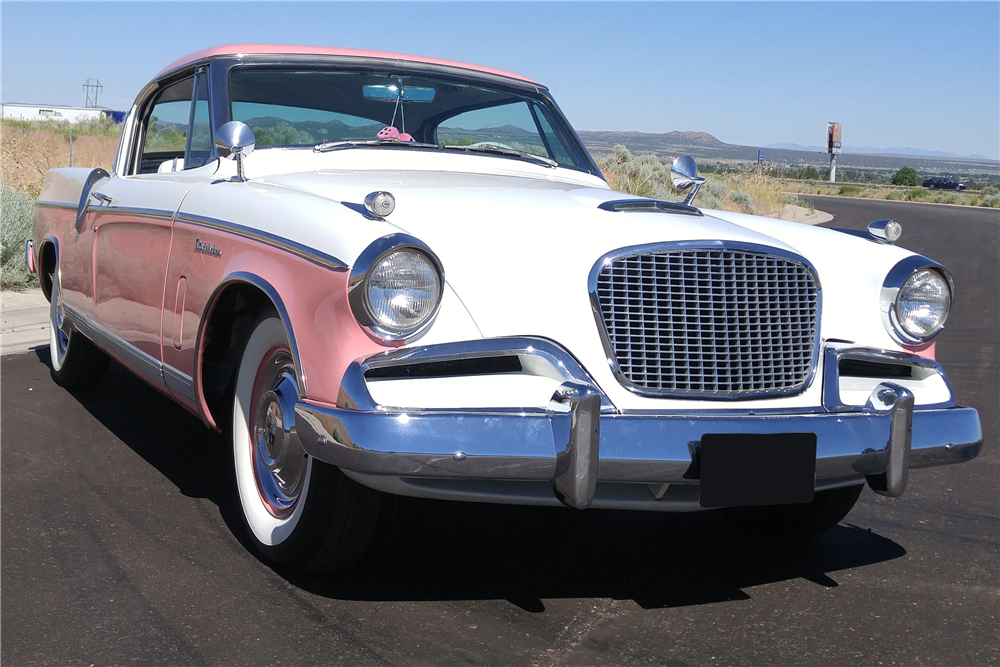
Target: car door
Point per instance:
(131, 225)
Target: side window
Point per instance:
(555, 144)
(200, 140)
(166, 126)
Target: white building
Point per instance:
(50, 112)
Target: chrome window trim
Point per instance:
(355, 391)
(279, 304)
(294, 247)
(831, 374)
(357, 294)
(894, 281)
(653, 248)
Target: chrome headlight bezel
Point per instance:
(897, 277)
(359, 282)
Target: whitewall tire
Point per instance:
(299, 512)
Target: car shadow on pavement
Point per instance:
(428, 550)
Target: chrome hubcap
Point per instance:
(279, 460)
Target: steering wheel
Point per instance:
(492, 144)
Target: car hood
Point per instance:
(518, 250)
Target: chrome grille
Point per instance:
(710, 322)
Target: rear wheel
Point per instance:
(300, 512)
(823, 513)
(76, 362)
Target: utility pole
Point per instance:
(92, 87)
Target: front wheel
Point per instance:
(300, 513)
(823, 513)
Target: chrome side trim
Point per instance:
(894, 282)
(179, 383)
(357, 294)
(311, 254)
(354, 393)
(699, 245)
(138, 361)
(132, 211)
(272, 294)
(832, 401)
(61, 205)
(142, 363)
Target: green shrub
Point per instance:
(743, 200)
(849, 190)
(905, 176)
(917, 194)
(17, 213)
(895, 195)
(717, 189)
(991, 201)
(991, 190)
(707, 200)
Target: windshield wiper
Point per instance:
(337, 145)
(507, 152)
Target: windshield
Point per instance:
(311, 106)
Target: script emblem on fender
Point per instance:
(206, 248)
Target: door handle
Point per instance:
(103, 198)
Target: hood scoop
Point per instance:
(649, 206)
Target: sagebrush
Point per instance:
(17, 212)
(752, 191)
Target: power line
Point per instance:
(92, 86)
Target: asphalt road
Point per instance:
(121, 545)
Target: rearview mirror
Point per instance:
(390, 93)
(684, 175)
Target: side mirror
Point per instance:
(684, 175)
(234, 141)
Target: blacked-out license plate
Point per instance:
(757, 469)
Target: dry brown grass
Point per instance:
(26, 153)
(752, 191)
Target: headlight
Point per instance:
(395, 287)
(402, 290)
(923, 303)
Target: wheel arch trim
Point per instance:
(253, 280)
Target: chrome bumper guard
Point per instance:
(574, 445)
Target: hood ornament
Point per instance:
(380, 204)
(886, 230)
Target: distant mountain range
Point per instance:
(870, 150)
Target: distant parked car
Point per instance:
(942, 184)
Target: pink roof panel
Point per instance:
(292, 49)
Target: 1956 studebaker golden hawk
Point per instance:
(394, 274)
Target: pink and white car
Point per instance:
(393, 274)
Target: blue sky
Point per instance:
(923, 75)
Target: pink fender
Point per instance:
(310, 297)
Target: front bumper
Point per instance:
(579, 440)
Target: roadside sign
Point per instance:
(833, 138)
(760, 156)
